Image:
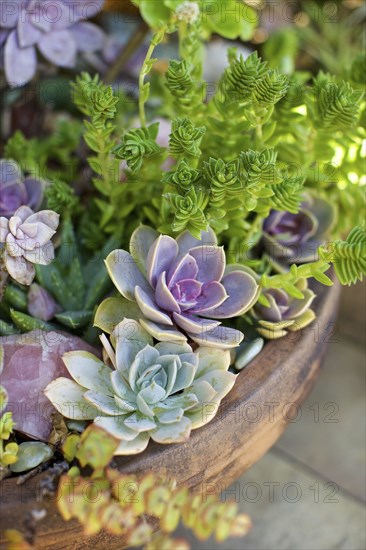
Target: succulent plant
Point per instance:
(182, 287)
(16, 190)
(296, 237)
(160, 392)
(284, 312)
(26, 238)
(56, 29)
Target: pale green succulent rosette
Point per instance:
(160, 392)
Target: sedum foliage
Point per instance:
(126, 504)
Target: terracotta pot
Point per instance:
(250, 420)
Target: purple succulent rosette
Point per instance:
(17, 191)
(295, 238)
(55, 28)
(182, 286)
(284, 312)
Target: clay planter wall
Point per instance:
(242, 431)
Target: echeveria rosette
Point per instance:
(182, 286)
(16, 191)
(297, 237)
(55, 28)
(160, 392)
(26, 240)
(284, 312)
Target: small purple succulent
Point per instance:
(16, 191)
(284, 312)
(183, 287)
(56, 28)
(296, 237)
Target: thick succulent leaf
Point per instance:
(161, 255)
(173, 348)
(111, 312)
(30, 454)
(74, 319)
(163, 296)
(88, 371)
(186, 241)
(247, 352)
(204, 392)
(193, 324)
(135, 446)
(116, 426)
(68, 398)
(212, 295)
(185, 401)
(130, 338)
(139, 422)
(185, 268)
(125, 274)
(152, 394)
(106, 405)
(211, 262)
(88, 37)
(221, 337)
(20, 63)
(150, 309)
(303, 321)
(184, 378)
(271, 333)
(221, 380)
(28, 34)
(212, 359)
(172, 433)
(298, 307)
(141, 241)
(22, 271)
(144, 358)
(123, 391)
(59, 47)
(276, 326)
(163, 333)
(170, 416)
(242, 290)
(271, 313)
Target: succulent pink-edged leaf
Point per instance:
(150, 309)
(220, 337)
(22, 271)
(242, 290)
(271, 313)
(88, 37)
(161, 255)
(211, 262)
(133, 447)
(12, 196)
(186, 241)
(130, 338)
(48, 217)
(20, 63)
(24, 213)
(177, 432)
(88, 371)
(298, 307)
(192, 324)
(59, 47)
(42, 255)
(10, 172)
(163, 296)
(163, 333)
(115, 425)
(141, 241)
(212, 295)
(4, 229)
(125, 274)
(28, 35)
(185, 268)
(68, 398)
(39, 231)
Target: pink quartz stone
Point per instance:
(31, 361)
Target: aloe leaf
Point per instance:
(74, 319)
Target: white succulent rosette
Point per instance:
(160, 392)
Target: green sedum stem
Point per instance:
(144, 88)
